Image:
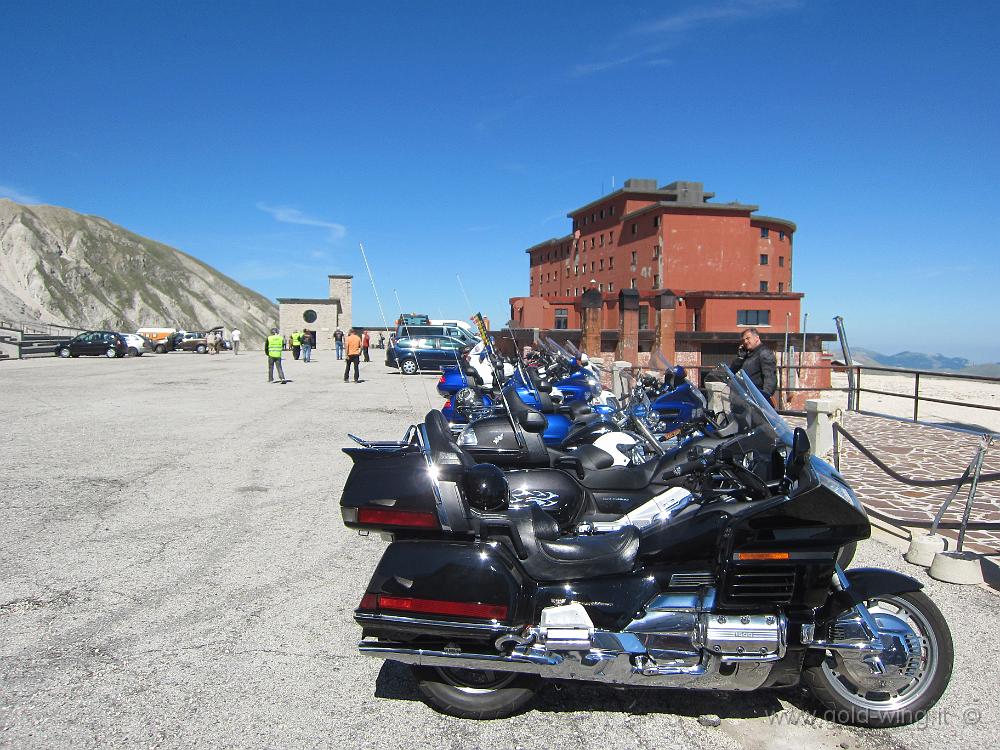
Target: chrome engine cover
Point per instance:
(746, 636)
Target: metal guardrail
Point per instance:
(40, 329)
(973, 474)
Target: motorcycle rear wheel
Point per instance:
(475, 693)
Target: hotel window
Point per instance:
(611, 209)
(602, 264)
(602, 213)
(781, 261)
(611, 264)
(592, 242)
(562, 318)
(763, 286)
(656, 281)
(635, 227)
(585, 221)
(611, 287)
(602, 239)
(763, 259)
(781, 286)
(753, 317)
(633, 257)
(656, 221)
(567, 291)
(781, 236)
(576, 291)
(656, 252)
(593, 217)
(600, 287)
(576, 270)
(644, 316)
(633, 283)
(611, 236)
(764, 233)
(591, 266)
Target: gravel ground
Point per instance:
(174, 573)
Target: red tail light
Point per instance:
(441, 380)
(389, 517)
(476, 610)
(369, 601)
(447, 404)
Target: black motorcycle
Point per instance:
(725, 580)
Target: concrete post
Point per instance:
(819, 426)
(718, 397)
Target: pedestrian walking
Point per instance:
(219, 338)
(296, 343)
(307, 346)
(272, 348)
(381, 341)
(365, 343)
(353, 355)
(236, 341)
(338, 342)
(210, 342)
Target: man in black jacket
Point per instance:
(758, 362)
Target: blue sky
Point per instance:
(269, 139)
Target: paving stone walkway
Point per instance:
(920, 451)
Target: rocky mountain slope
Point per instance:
(59, 266)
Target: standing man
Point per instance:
(296, 343)
(758, 362)
(353, 354)
(236, 341)
(365, 342)
(307, 346)
(273, 345)
(338, 341)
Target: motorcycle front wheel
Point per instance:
(475, 693)
(905, 692)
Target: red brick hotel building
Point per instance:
(728, 267)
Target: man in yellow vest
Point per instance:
(296, 343)
(273, 345)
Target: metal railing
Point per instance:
(40, 329)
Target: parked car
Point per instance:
(160, 339)
(191, 341)
(137, 345)
(414, 353)
(94, 343)
(451, 331)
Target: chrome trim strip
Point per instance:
(380, 619)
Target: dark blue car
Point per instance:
(414, 353)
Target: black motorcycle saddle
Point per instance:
(551, 557)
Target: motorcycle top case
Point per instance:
(389, 487)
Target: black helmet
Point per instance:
(486, 488)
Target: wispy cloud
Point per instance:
(288, 215)
(6, 191)
(668, 29)
(734, 10)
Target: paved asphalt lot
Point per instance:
(174, 573)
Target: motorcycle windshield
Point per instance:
(749, 408)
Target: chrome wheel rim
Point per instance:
(409, 367)
(476, 681)
(890, 698)
(64, 353)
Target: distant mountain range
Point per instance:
(59, 266)
(921, 361)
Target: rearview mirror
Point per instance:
(800, 452)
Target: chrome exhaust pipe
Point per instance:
(610, 667)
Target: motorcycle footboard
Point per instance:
(433, 590)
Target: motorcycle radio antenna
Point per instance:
(381, 312)
(399, 306)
